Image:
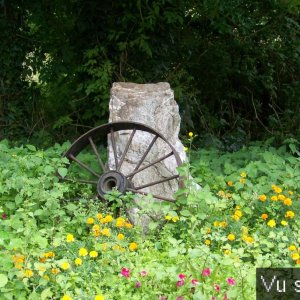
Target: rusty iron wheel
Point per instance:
(95, 170)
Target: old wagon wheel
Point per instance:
(88, 165)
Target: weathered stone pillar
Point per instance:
(154, 106)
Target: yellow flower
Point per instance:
(49, 254)
(96, 227)
(55, 271)
(82, 252)
(99, 297)
(93, 254)
(291, 193)
(186, 149)
(175, 219)
(231, 237)
(227, 251)
(99, 216)
(230, 183)
(298, 261)
(107, 219)
(28, 273)
(133, 246)
(262, 198)
(70, 238)
(248, 239)
(17, 258)
(281, 197)
(106, 231)
(292, 248)
(128, 225)
(66, 297)
(90, 221)
(221, 193)
(264, 216)
(208, 231)
(168, 217)
(238, 213)
(284, 223)
(65, 265)
(271, 223)
(78, 261)
(120, 222)
(120, 236)
(243, 174)
(46, 277)
(207, 242)
(216, 223)
(242, 180)
(235, 217)
(295, 256)
(223, 224)
(287, 201)
(96, 230)
(290, 214)
(274, 198)
(277, 189)
(191, 134)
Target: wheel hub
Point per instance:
(110, 180)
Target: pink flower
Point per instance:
(4, 216)
(179, 298)
(194, 281)
(125, 272)
(231, 281)
(137, 284)
(217, 287)
(180, 283)
(181, 276)
(213, 298)
(163, 297)
(206, 272)
(143, 273)
(225, 297)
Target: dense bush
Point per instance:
(234, 65)
(245, 216)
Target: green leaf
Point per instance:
(185, 213)
(48, 169)
(3, 280)
(62, 172)
(31, 148)
(46, 293)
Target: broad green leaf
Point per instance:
(62, 172)
(3, 280)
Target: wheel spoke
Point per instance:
(156, 182)
(97, 154)
(113, 142)
(79, 180)
(154, 196)
(126, 149)
(149, 165)
(84, 166)
(143, 157)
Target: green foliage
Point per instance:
(51, 247)
(234, 65)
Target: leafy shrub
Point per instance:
(209, 244)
